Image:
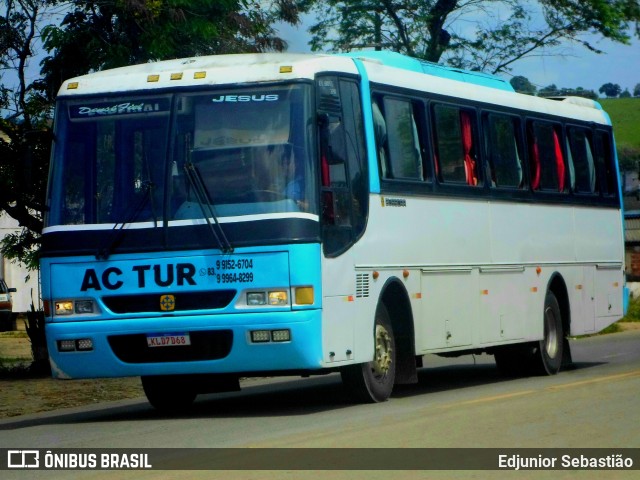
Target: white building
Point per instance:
(26, 283)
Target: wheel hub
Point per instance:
(383, 357)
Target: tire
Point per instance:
(373, 381)
(547, 356)
(169, 393)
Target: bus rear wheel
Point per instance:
(373, 381)
(538, 358)
(547, 358)
(169, 393)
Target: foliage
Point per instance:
(636, 90)
(633, 314)
(553, 91)
(523, 85)
(625, 116)
(93, 36)
(105, 34)
(625, 94)
(35, 327)
(24, 130)
(486, 35)
(611, 90)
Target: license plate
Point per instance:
(168, 340)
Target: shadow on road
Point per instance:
(280, 397)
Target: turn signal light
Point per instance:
(304, 295)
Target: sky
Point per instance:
(579, 68)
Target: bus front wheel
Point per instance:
(169, 393)
(373, 381)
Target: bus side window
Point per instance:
(454, 132)
(581, 161)
(503, 150)
(605, 163)
(547, 165)
(400, 150)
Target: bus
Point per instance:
(219, 217)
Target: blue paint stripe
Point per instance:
(365, 91)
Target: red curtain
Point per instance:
(559, 161)
(467, 144)
(535, 157)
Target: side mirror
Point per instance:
(11, 290)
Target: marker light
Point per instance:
(304, 295)
(278, 298)
(64, 307)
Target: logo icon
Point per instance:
(23, 459)
(167, 303)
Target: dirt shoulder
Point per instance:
(22, 396)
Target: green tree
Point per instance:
(24, 129)
(486, 35)
(636, 90)
(523, 85)
(611, 90)
(625, 94)
(549, 91)
(103, 34)
(93, 36)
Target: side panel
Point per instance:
(503, 300)
(450, 302)
(484, 267)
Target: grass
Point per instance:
(633, 314)
(625, 116)
(14, 334)
(15, 355)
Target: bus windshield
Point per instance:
(122, 160)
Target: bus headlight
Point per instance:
(278, 298)
(79, 307)
(256, 298)
(84, 306)
(64, 307)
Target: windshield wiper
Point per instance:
(202, 196)
(117, 232)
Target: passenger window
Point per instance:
(581, 161)
(503, 151)
(547, 166)
(398, 139)
(455, 160)
(606, 165)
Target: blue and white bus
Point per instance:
(219, 217)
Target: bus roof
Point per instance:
(397, 60)
(207, 70)
(381, 67)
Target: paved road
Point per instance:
(458, 403)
